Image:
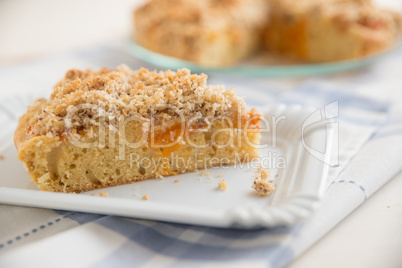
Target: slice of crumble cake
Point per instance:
(113, 127)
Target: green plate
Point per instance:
(256, 66)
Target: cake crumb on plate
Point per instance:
(263, 187)
(206, 179)
(261, 184)
(103, 193)
(145, 197)
(205, 173)
(177, 181)
(222, 185)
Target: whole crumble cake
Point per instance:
(113, 127)
(219, 33)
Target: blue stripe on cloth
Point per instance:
(259, 93)
(79, 217)
(352, 108)
(176, 229)
(145, 241)
(236, 233)
(313, 94)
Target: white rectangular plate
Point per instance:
(297, 165)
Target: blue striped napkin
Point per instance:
(369, 118)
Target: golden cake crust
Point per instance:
(22, 134)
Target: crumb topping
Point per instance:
(205, 173)
(123, 92)
(263, 187)
(201, 15)
(261, 184)
(222, 185)
(206, 179)
(362, 13)
(103, 193)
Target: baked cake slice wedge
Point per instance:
(113, 127)
(208, 32)
(332, 30)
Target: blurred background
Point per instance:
(29, 29)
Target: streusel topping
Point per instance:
(198, 15)
(123, 92)
(345, 12)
